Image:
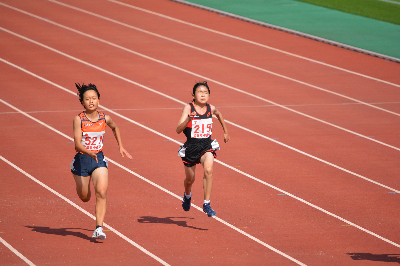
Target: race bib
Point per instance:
(201, 128)
(93, 141)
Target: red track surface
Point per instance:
(47, 230)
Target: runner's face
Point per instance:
(90, 100)
(201, 95)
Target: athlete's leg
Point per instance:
(83, 187)
(190, 177)
(100, 183)
(207, 160)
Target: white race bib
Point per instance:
(201, 128)
(93, 141)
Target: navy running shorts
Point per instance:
(84, 165)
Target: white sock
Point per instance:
(188, 196)
(206, 201)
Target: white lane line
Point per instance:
(252, 42)
(224, 164)
(393, 2)
(179, 108)
(142, 178)
(231, 123)
(14, 250)
(286, 30)
(73, 204)
(226, 58)
(176, 100)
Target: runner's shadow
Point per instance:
(62, 232)
(167, 220)
(375, 257)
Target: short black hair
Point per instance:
(84, 88)
(198, 84)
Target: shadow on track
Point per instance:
(167, 220)
(62, 232)
(375, 257)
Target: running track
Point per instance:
(310, 176)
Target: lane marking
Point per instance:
(393, 2)
(179, 108)
(298, 33)
(251, 42)
(214, 54)
(16, 251)
(220, 162)
(176, 100)
(70, 202)
(142, 178)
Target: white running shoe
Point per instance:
(98, 233)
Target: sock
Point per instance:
(97, 226)
(188, 196)
(206, 202)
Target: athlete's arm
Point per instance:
(78, 139)
(117, 136)
(186, 117)
(218, 114)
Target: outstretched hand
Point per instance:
(124, 152)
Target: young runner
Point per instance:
(196, 124)
(89, 162)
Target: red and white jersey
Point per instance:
(93, 132)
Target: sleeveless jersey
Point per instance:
(93, 132)
(200, 128)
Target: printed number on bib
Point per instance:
(92, 140)
(201, 128)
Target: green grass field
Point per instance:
(376, 9)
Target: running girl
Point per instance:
(196, 124)
(89, 162)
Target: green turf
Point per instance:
(376, 9)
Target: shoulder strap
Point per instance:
(82, 116)
(192, 107)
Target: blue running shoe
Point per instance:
(207, 209)
(186, 203)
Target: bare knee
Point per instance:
(189, 180)
(85, 197)
(208, 171)
(102, 194)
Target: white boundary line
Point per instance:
(142, 178)
(301, 34)
(393, 2)
(70, 202)
(252, 42)
(224, 57)
(14, 250)
(248, 41)
(176, 196)
(169, 97)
